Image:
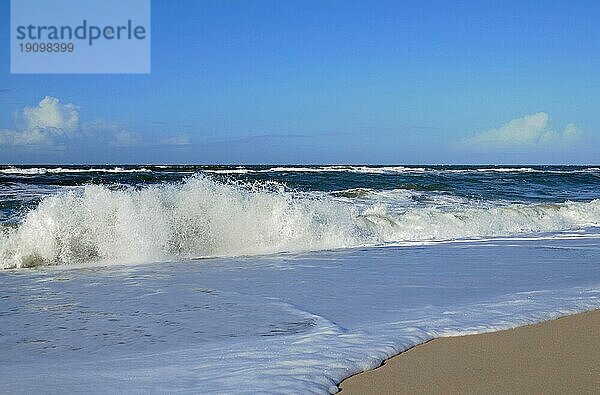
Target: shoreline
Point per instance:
(556, 356)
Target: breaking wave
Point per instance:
(202, 217)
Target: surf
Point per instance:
(206, 217)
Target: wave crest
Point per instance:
(202, 217)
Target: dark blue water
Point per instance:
(520, 184)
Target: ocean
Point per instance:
(272, 279)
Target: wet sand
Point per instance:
(559, 356)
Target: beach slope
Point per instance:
(559, 356)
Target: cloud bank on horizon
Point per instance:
(53, 123)
(528, 132)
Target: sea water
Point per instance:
(276, 279)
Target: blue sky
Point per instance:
(327, 82)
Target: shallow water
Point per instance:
(293, 323)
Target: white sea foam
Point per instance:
(346, 169)
(510, 170)
(278, 324)
(299, 169)
(58, 170)
(238, 170)
(590, 170)
(202, 217)
(390, 170)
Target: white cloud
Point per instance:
(177, 140)
(26, 137)
(531, 131)
(43, 123)
(50, 114)
(113, 134)
(118, 135)
(52, 123)
(125, 138)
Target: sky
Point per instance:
(326, 82)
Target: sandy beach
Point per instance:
(559, 356)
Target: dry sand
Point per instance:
(560, 356)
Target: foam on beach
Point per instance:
(277, 324)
